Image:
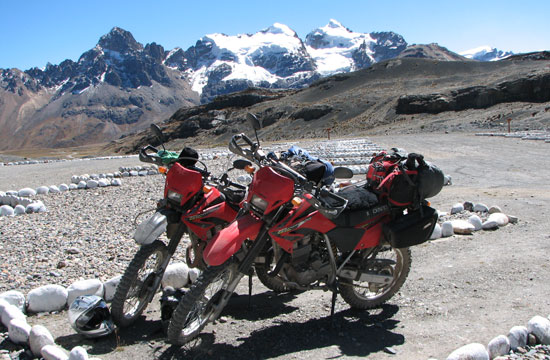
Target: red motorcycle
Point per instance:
(195, 203)
(308, 238)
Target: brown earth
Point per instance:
(461, 289)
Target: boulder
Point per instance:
(11, 312)
(480, 208)
(36, 207)
(447, 229)
(110, 287)
(500, 218)
(470, 352)
(489, 225)
(517, 336)
(42, 190)
(84, 287)
(142, 173)
(495, 209)
(499, 346)
(103, 183)
(116, 182)
(18, 331)
(476, 222)
(92, 184)
(462, 227)
(133, 173)
(457, 208)
(47, 298)
(176, 275)
(436, 233)
(19, 210)
(26, 192)
(81, 184)
(53, 352)
(194, 274)
(54, 189)
(14, 297)
(540, 327)
(38, 338)
(73, 186)
(63, 187)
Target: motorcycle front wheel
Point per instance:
(275, 283)
(139, 283)
(202, 304)
(364, 295)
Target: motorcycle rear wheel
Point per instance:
(139, 283)
(363, 295)
(202, 304)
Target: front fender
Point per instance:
(229, 240)
(149, 230)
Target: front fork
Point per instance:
(172, 246)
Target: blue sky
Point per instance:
(35, 32)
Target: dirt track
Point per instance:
(460, 290)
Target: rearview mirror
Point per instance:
(241, 164)
(253, 121)
(343, 173)
(158, 132)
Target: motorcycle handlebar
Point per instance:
(149, 158)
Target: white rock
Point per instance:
(73, 186)
(42, 190)
(470, 352)
(110, 287)
(176, 275)
(38, 338)
(84, 287)
(462, 227)
(540, 327)
(94, 177)
(194, 274)
(92, 184)
(489, 225)
(481, 208)
(436, 233)
(11, 312)
(103, 183)
(63, 187)
(19, 210)
(75, 179)
(78, 353)
(458, 207)
(500, 218)
(495, 209)
(36, 207)
(18, 331)
(476, 222)
(125, 174)
(447, 229)
(54, 189)
(6, 210)
(3, 305)
(12, 192)
(142, 173)
(53, 352)
(116, 182)
(47, 298)
(81, 184)
(499, 346)
(518, 336)
(27, 192)
(133, 173)
(512, 219)
(14, 297)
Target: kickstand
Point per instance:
(250, 290)
(332, 306)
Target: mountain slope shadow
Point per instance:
(354, 333)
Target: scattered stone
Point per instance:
(81, 184)
(540, 327)
(489, 225)
(36, 207)
(42, 190)
(15, 298)
(92, 184)
(38, 338)
(47, 298)
(447, 229)
(73, 186)
(499, 346)
(53, 352)
(116, 182)
(436, 233)
(103, 183)
(462, 227)
(6, 210)
(512, 219)
(480, 208)
(517, 336)
(63, 187)
(78, 353)
(19, 331)
(27, 192)
(470, 352)
(495, 209)
(54, 189)
(176, 275)
(73, 250)
(84, 287)
(457, 208)
(476, 222)
(19, 210)
(500, 218)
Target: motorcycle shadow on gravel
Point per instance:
(347, 333)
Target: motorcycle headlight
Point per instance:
(174, 196)
(258, 203)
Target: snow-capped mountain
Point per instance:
(486, 53)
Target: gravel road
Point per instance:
(461, 289)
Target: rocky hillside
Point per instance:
(405, 95)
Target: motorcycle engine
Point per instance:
(310, 260)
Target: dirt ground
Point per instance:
(461, 289)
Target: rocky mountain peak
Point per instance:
(277, 28)
(119, 40)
